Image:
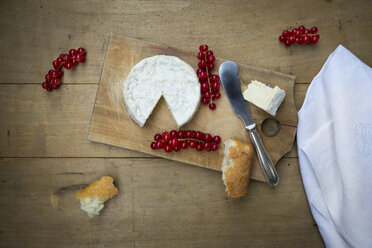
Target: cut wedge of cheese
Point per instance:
(166, 76)
(264, 97)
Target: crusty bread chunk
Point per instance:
(93, 197)
(236, 167)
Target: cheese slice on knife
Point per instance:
(166, 76)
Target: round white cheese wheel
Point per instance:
(166, 76)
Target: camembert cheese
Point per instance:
(166, 76)
(264, 97)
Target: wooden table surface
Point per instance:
(46, 156)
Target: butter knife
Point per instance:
(231, 84)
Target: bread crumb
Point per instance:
(93, 197)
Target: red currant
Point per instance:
(56, 81)
(181, 134)
(314, 30)
(314, 39)
(215, 85)
(199, 147)
(67, 58)
(207, 94)
(217, 139)
(198, 135)
(80, 58)
(298, 41)
(174, 142)
(285, 33)
(201, 55)
(177, 148)
(72, 52)
(207, 146)
(212, 106)
(48, 77)
(306, 39)
(157, 137)
(188, 134)
(287, 43)
(184, 145)
(159, 144)
(167, 148)
(81, 50)
(153, 145)
(216, 95)
(55, 74)
(214, 147)
(215, 78)
(302, 29)
(203, 48)
(307, 31)
(45, 85)
(198, 71)
(192, 144)
(282, 38)
(208, 137)
(209, 52)
(202, 64)
(166, 137)
(211, 59)
(68, 65)
(174, 133)
(210, 66)
(291, 39)
(204, 87)
(56, 64)
(203, 75)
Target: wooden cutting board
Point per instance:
(112, 125)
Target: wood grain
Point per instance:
(111, 124)
(161, 203)
(36, 124)
(68, 114)
(39, 124)
(246, 32)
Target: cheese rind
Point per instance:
(263, 96)
(166, 76)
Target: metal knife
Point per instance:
(231, 83)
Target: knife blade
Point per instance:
(231, 83)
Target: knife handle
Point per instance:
(265, 161)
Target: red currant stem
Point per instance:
(60, 65)
(209, 85)
(186, 139)
(308, 34)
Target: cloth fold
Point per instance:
(334, 138)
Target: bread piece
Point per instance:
(236, 167)
(93, 197)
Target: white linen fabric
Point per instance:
(334, 140)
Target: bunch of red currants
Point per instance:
(68, 61)
(300, 35)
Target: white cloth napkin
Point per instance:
(334, 140)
